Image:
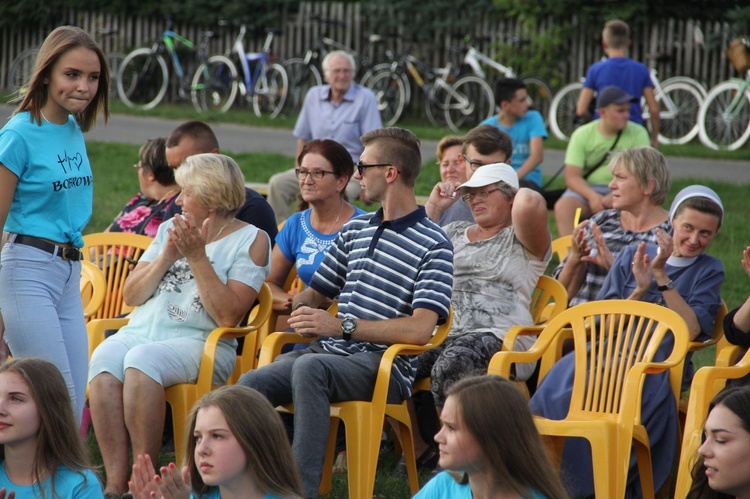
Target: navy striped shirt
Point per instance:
(384, 270)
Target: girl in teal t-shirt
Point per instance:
(489, 438)
(237, 447)
(38, 433)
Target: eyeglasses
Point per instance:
(473, 164)
(315, 174)
(479, 196)
(361, 166)
(138, 165)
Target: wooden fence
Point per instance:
(705, 62)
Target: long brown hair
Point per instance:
(736, 400)
(57, 43)
(498, 416)
(58, 440)
(261, 434)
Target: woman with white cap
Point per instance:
(497, 263)
(675, 273)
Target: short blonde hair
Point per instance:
(215, 180)
(645, 163)
(447, 142)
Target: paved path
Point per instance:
(240, 138)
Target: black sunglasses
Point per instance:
(361, 166)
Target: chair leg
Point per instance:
(363, 433)
(610, 465)
(645, 469)
(407, 445)
(327, 476)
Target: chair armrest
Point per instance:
(510, 337)
(97, 327)
(273, 344)
(694, 346)
(727, 356)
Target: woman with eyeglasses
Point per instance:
(324, 168)
(497, 263)
(145, 211)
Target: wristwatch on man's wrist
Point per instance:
(348, 326)
(666, 286)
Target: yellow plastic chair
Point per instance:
(93, 288)
(716, 336)
(182, 396)
(606, 397)
(707, 382)
(364, 420)
(110, 252)
(561, 247)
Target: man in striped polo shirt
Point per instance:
(392, 272)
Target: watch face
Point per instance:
(348, 325)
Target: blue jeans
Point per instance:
(312, 378)
(40, 300)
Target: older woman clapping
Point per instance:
(639, 188)
(203, 270)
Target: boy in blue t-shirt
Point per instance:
(525, 127)
(621, 71)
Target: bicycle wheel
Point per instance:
(386, 66)
(270, 91)
(214, 85)
(469, 101)
(434, 103)
(391, 94)
(679, 105)
(540, 95)
(562, 111)
(687, 81)
(114, 60)
(724, 119)
(302, 77)
(142, 80)
(21, 68)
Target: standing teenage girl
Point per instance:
(46, 196)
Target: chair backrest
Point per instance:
(548, 300)
(257, 319)
(109, 251)
(93, 288)
(616, 342)
(561, 246)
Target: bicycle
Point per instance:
(456, 102)
(217, 81)
(143, 78)
(538, 91)
(724, 118)
(21, 67)
(679, 99)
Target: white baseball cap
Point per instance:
(491, 174)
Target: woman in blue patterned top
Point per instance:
(323, 171)
(46, 200)
(490, 441)
(237, 447)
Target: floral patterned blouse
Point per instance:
(142, 215)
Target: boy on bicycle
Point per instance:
(621, 71)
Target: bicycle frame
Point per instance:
(473, 57)
(251, 76)
(730, 113)
(168, 40)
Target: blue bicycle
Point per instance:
(217, 82)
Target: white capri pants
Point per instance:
(168, 362)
